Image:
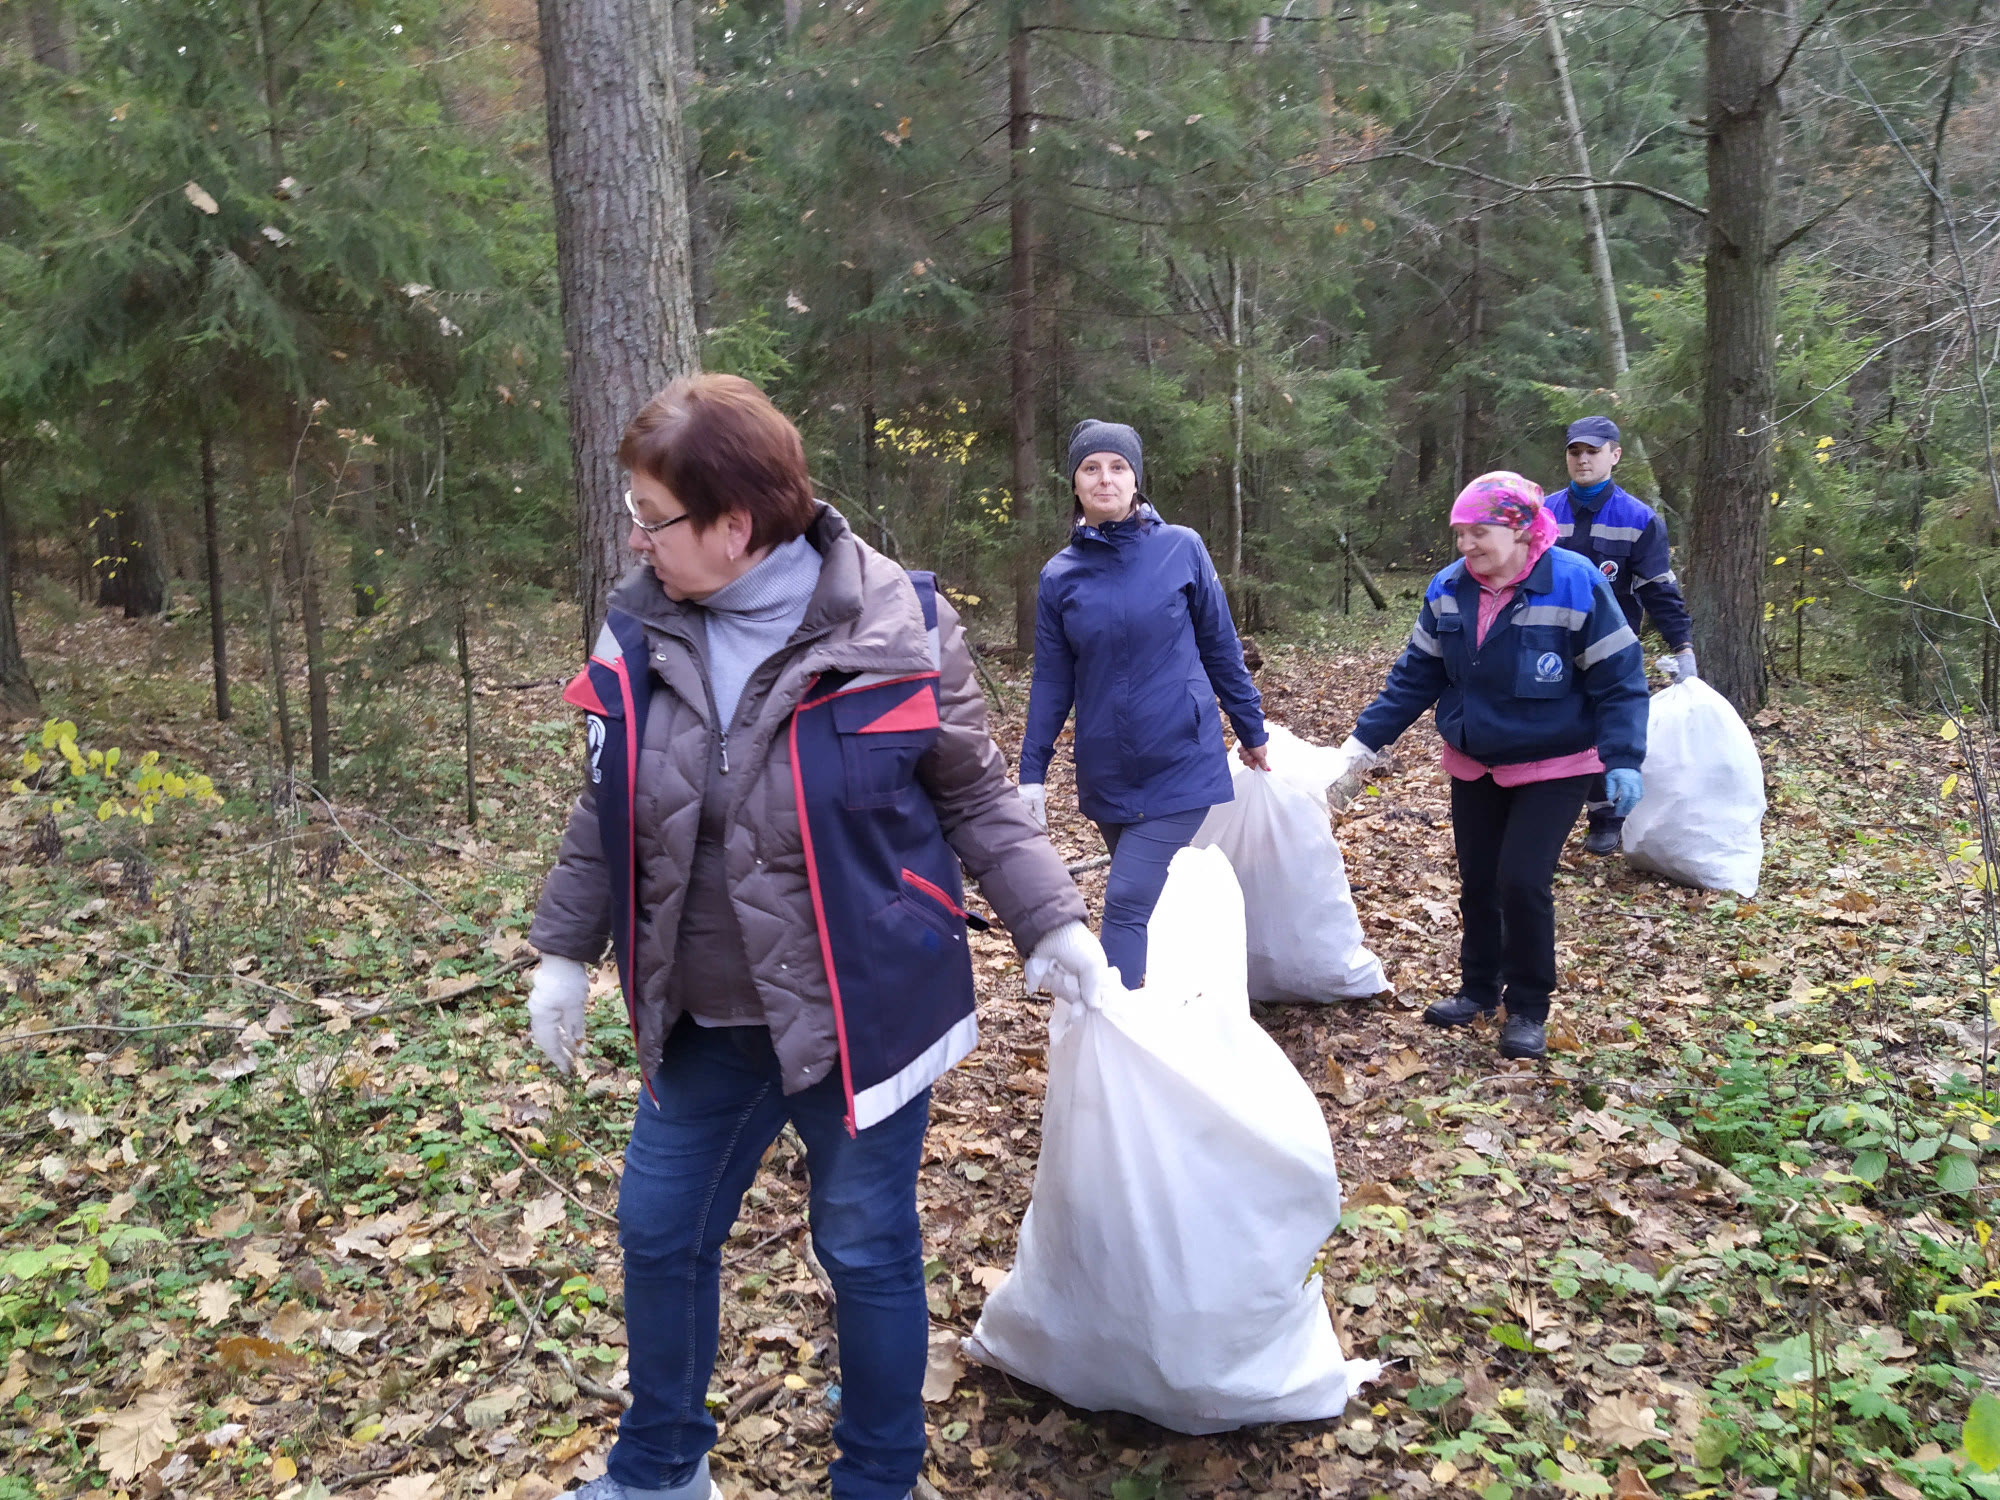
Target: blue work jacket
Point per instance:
(1560, 671)
(1132, 628)
(1624, 539)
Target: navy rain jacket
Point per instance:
(1625, 540)
(1560, 671)
(1132, 628)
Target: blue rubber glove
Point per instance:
(1624, 788)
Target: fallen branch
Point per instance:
(29, 1036)
(529, 1161)
(582, 1382)
(1725, 1179)
(334, 818)
(1089, 864)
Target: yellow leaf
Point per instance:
(1950, 785)
(30, 762)
(1950, 730)
(282, 1469)
(1778, 562)
(1984, 1231)
(1852, 1069)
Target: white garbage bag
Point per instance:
(1304, 934)
(1701, 820)
(1185, 1188)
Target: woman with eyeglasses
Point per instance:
(789, 764)
(1132, 629)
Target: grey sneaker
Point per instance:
(604, 1487)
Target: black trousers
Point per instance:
(1597, 799)
(1508, 839)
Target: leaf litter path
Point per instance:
(354, 1203)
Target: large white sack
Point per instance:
(1185, 1187)
(1701, 820)
(1304, 935)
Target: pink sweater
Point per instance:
(1492, 599)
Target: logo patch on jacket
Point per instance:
(1548, 667)
(593, 734)
(1609, 568)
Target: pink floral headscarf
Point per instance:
(1504, 498)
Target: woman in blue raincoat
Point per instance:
(1132, 629)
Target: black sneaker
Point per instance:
(1457, 1011)
(1603, 838)
(1520, 1037)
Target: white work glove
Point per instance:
(1677, 668)
(555, 1008)
(1357, 760)
(1035, 797)
(1070, 964)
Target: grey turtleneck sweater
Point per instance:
(750, 619)
(745, 624)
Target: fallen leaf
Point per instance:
(290, 1324)
(545, 1212)
(1406, 1064)
(1621, 1422)
(198, 195)
(215, 1299)
(1377, 1193)
(408, 1487)
(81, 1127)
(492, 1409)
(261, 1264)
(988, 1278)
(945, 1366)
(1631, 1485)
(246, 1353)
(133, 1441)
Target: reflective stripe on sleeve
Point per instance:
(1422, 640)
(1609, 645)
(1604, 533)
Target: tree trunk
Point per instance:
(623, 249)
(18, 697)
(131, 561)
(1610, 321)
(49, 36)
(1021, 335)
(218, 625)
(701, 229)
(1236, 434)
(465, 686)
(305, 573)
(1470, 441)
(274, 646)
(1735, 470)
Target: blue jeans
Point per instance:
(715, 1106)
(1140, 854)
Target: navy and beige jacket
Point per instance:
(856, 777)
(1560, 671)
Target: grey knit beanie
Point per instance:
(1091, 436)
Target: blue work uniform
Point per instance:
(1625, 540)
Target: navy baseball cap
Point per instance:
(1596, 431)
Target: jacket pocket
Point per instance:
(882, 738)
(1452, 642)
(1544, 669)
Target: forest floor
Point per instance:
(291, 1208)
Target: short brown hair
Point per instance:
(719, 444)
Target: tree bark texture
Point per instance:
(211, 531)
(18, 697)
(1736, 466)
(1021, 335)
(623, 249)
(131, 558)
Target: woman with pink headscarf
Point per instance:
(1538, 685)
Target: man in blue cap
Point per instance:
(1627, 541)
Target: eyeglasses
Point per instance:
(650, 527)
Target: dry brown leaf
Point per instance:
(1377, 1193)
(1405, 1064)
(16, 1379)
(945, 1366)
(1631, 1485)
(133, 1441)
(260, 1263)
(214, 1299)
(988, 1278)
(1621, 1422)
(545, 1212)
(408, 1487)
(290, 1323)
